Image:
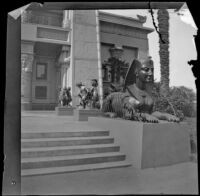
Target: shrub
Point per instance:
(180, 101)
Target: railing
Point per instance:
(44, 18)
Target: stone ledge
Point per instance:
(43, 106)
(64, 111)
(148, 145)
(83, 114)
(26, 106)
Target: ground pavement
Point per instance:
(176, 179)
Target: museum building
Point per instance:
(62, 48)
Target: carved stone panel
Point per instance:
(27, 62)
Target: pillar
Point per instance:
(64, 62)
(26, 80)
(66, 21)
(100, 78)
(58, 79)
(84, 56)
(64, 75)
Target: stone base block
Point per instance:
(44, 106)
(26, 106)
(148, 145)
(64, 111)
(83, 114)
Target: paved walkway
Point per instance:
(49, 121)
(175, 179)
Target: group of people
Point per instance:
(88, 97)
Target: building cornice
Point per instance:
(109, 15)
(124, 20)
(108, 5)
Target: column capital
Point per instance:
(66, 48)
(66, 20)
(64, 57)
(27, 47)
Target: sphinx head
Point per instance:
(144, 71)
(140, 71)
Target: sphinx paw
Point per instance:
(149, 118)
(110, 114)
(173, 119)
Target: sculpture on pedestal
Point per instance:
(94, 96)
(136, 102)
(83, 95)
(65, 97)
(88, 97)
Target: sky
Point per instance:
(182, 47)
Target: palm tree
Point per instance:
(163, 25)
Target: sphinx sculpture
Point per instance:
(136, 102)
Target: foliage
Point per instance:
(118, 68)
(113, 88)
(179, 101)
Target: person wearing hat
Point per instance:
(83, 95)
(68, 96)
(94, 94)
(79, 84)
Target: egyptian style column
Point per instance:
(26, 80)
(64, 61)
(65, 21)
(58, 80)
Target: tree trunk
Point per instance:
(163, 25)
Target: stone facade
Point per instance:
(85, 59)
(59, 48)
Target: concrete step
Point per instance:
(75, 168)
(68, 150)
(60, 161)
(72, 141)
(82, 133)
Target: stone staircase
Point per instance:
(59, 152)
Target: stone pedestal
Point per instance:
(64, 111)
(83, 114)
(148, 145)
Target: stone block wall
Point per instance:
(85, 59)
